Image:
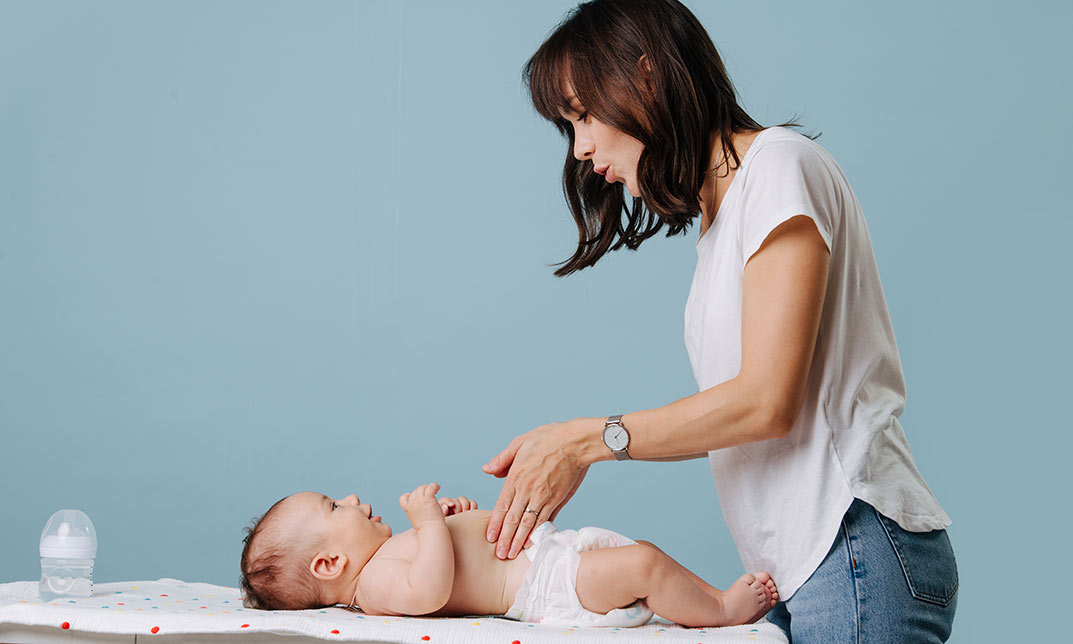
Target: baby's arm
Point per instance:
(423, 584)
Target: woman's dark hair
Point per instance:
(649, 69)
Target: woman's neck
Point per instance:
(721, 173)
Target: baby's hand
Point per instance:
(456, 506)
(421, 506)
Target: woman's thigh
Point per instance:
(878, 583)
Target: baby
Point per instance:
(310, 551)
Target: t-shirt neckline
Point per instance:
(734, 181)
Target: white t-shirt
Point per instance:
(783, 499)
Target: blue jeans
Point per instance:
(878, 583)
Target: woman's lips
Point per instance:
(609, 176)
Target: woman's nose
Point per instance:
(584, 148)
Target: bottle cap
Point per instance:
(69, 534)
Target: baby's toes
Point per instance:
(765, 594)
(747, 579)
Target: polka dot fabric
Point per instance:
(170, 606)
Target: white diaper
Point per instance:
(548, 592)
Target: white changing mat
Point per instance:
(170, 606)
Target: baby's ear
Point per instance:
(326, 566)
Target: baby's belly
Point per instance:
(484, 584)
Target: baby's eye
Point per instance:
(334, 505)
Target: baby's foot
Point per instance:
(748, 599)
(769, 583)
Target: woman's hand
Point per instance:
(543, 469)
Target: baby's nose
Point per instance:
(352, 500)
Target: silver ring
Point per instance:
(536, 512)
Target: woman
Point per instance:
(800, 382)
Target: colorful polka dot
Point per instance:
(425, 638)
(335, 632)
(65, 625)
(154, 630)
(245, 626)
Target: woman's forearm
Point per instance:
(731, 413)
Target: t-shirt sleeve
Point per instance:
(786, 179)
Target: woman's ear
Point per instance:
(644, 68)
(326, 566)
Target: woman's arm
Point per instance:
(783, 295)
(784, 286)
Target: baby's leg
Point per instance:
(763, 577)
(616, 577)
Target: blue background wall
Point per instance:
(251, 248)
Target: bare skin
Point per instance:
(445, 567)
(616, 577)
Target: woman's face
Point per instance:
(613, 153)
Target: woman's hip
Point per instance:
(878, 583)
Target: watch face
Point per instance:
(616, 437)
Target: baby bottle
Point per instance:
(68, 546)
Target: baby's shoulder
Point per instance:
(398, 546)
(380, 576)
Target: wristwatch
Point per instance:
(617, 438)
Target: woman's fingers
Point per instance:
(531, 518)
(500, 463)
(499, 511)
(512, 521)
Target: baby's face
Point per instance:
(346, 526)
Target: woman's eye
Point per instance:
(584, 116)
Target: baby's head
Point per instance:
(307, 551)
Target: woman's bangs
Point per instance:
(547, 75)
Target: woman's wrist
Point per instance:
(586, 441)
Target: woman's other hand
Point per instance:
(543, 469)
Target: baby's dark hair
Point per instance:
(275, 567)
